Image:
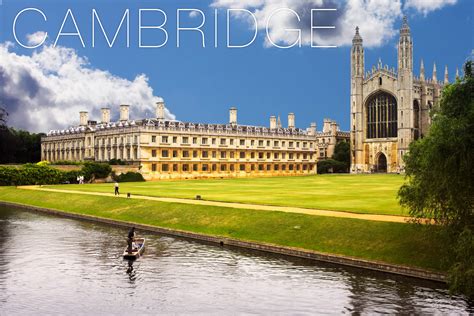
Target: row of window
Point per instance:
(64, 145)
(165, 153)
(117, 140)
(230, 167)
(224, 141)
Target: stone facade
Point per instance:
(327, 139)
(389, 109)
(168, 149)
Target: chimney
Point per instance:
(312, 129)
(273, 122)
(233, 116)
(422, 71)
(326, 125)
(291, 120)
(334, 128)
(83, 118)
(160, 110)
(105, 115)
(124, 112)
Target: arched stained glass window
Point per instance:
(381, 116)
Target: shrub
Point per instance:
(95, 170)
(129, 177)
(29, 174)
(43, 163)
(331, 166)
(116, 162)
(8, 175)
(66, 162)
(71, 176)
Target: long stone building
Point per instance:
(389, 108)
(167, 149)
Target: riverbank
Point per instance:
(392, 247)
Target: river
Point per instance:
(55, 265)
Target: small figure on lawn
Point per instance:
(117, 189)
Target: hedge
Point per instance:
(35, 174)
(93, 170)
(331, 166)
(129, 177)
(30, 174)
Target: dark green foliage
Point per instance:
(71, 176)
(129, 177)
(116, 162)
(331, 166)
(342, 153)
(19, 146)
(440, 173)
(66, 163)
(30, 174)
(3, 118)
(94, 170)
(461, 274)
(8, 175)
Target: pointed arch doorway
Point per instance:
(381, 163)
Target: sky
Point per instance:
(44, 88)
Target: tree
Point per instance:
(18, 146)
(342, 153)
(3, 118)
(331, 166)
(440, 174)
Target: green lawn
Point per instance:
(398, 243)
(355, 193)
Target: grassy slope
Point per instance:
(356, 193)
(396, 243)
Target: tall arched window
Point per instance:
(416, 119)
(381, 116)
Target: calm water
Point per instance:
(61, 266)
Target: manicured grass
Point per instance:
(355, 193)
(397, 243)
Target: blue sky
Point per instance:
(200, 84)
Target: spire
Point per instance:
(446, 77)
(405, 48)
(379, 65)
(278, 122)
(422, 71)
(434, 73)
(357, 56)
(405, 30)
(357, 40)
(457, 73)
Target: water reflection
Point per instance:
(69, 266)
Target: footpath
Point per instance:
(288, 209)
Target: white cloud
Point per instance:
(35, 38)
(194, 14)
(378, 20)
(426, 6)
(48, 89)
